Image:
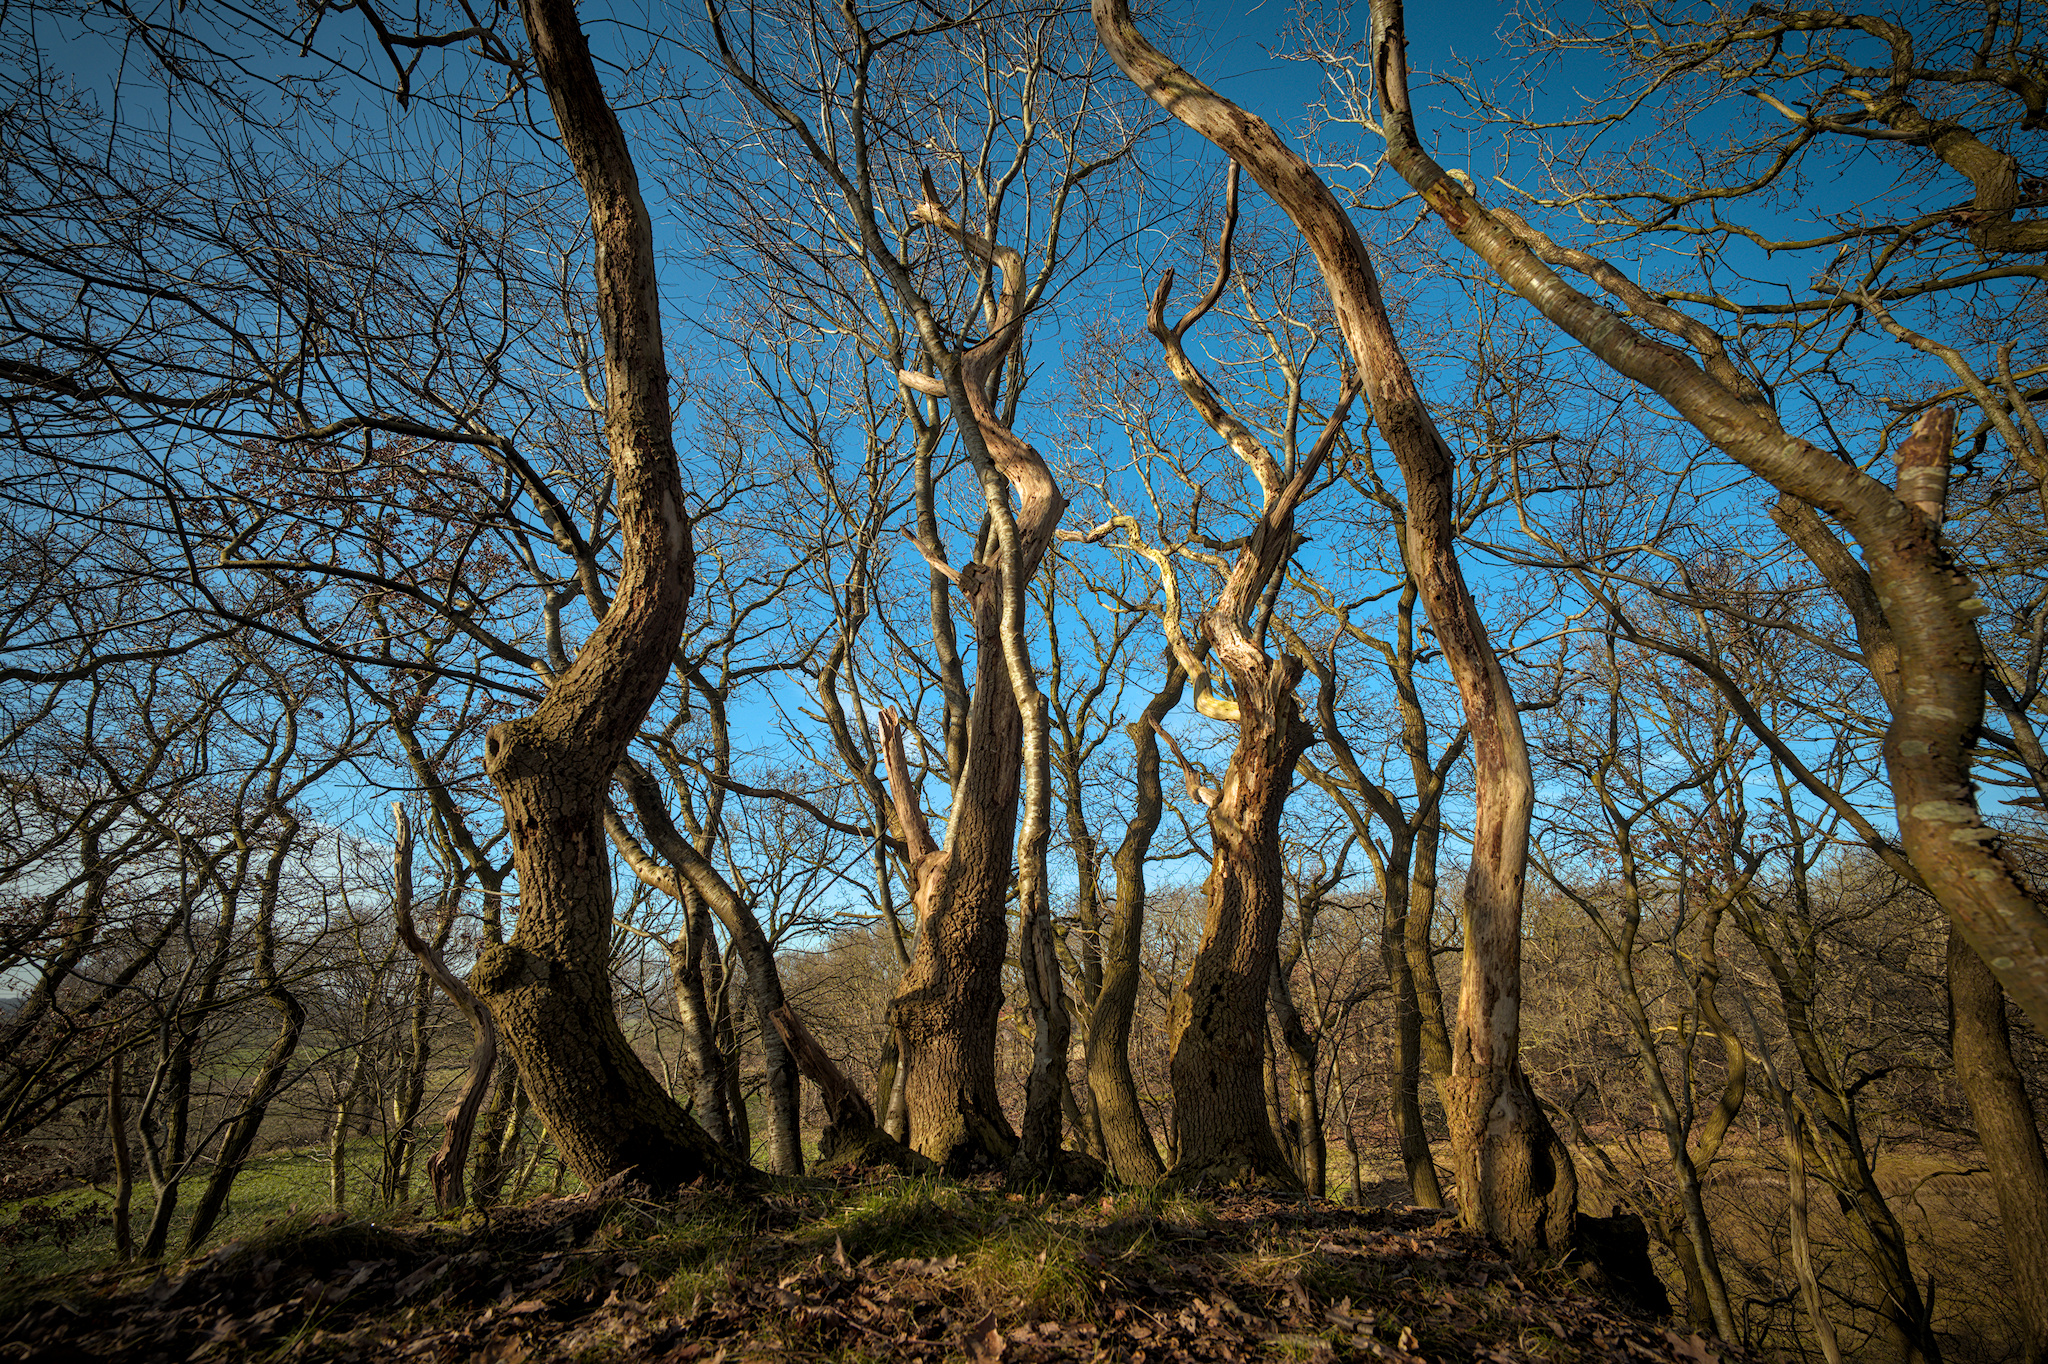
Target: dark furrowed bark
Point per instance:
(946, 1011)
(548, 987)
(1221, 1131)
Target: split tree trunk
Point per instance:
(952, 992)
(1311, 1153)
(695, 877)
(549, 987)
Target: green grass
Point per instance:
(270, 1189)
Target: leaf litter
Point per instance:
(813, 1270)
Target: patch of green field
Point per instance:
(72, 1230)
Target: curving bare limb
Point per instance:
(445, 1166)
(1929, 602)
(1516, 1178)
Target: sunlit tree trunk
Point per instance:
(1516, 1179)
(1129, 1141)
(549, 987)
(946, 1011)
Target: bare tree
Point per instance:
(1516, 1178)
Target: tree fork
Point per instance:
(1516, 1179)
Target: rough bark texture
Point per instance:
(548, 987)
(952, 992)
(1515, 1178)
(946, 1010)
(1929, 602)
(1221, 1131)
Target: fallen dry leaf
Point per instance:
(985, 1344)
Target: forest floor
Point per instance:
(878, 1269)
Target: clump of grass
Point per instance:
(1169, 1206)
(911, 1218)
(693, 1254)
(1036, 1260)
(322, 1241)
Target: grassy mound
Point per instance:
(870, 1268)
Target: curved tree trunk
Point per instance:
(1220, 1127)
(1980, 1041)
(1417, 1162)
(1311, 1153)
(694, 878)
(1406, 871)
(2006, 1129)
(693, 1007)
(1124, 1132)
(270, 1076)
(549, 987)
(946, 1011)
(1515, 1178)
(1929, 602)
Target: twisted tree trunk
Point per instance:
(549, 987)
(1516, 1179)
